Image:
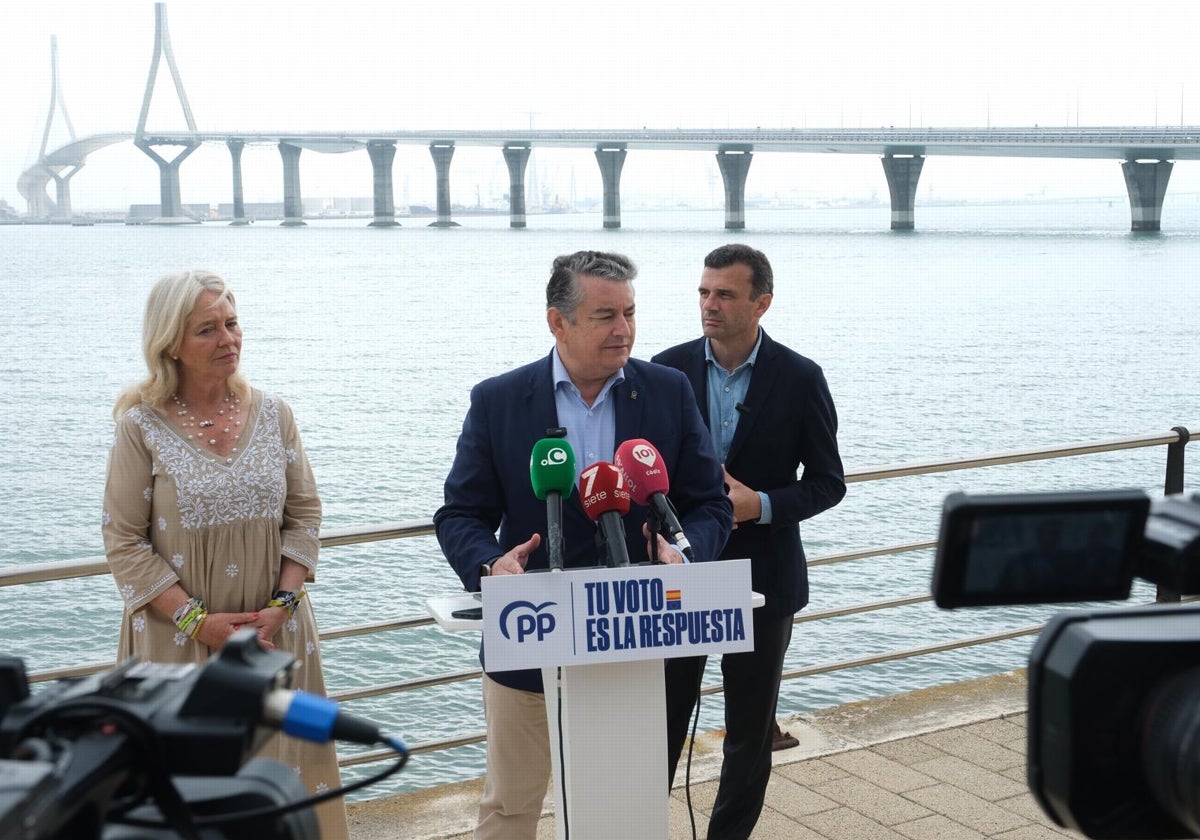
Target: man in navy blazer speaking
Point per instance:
(770, 413)
(493, 523)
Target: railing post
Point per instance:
(1173, 483)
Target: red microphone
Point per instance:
(646, 477)
(605, 501)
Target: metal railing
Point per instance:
(1173, 482)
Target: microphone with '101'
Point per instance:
(645, 475)
(605, 501)
(552, 473)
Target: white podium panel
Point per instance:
(592, 616)
(600, 637)
(611, 780)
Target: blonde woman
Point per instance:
(211, 512)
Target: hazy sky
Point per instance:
(377, 66)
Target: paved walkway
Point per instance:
(946, 763)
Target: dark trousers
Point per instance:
(751, 689)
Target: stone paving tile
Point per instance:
(908, 751)
(880, 770)
(967, 776)
(937, 827)
(795, 800)
(847, 824)
(1007, 732)
(811, 772)
(1018, 774)
(888, 808)
(967, 809)
(703, 794)
(1034, 832)
(1025, 805)
(979, 751)
(773, 825)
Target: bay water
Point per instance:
(989, 329)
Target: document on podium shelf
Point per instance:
(600, 615)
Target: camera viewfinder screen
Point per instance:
(994, 553)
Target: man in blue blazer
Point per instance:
(492, 523)
(770, 413)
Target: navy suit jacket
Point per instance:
(489, 501)
(789, 422)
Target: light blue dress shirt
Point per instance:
(727, 391)
(591, 429)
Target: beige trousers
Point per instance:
(518, 763)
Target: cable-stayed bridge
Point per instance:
(1146, 156)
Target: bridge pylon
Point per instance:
(40, 205)
(171, 209)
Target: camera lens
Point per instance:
(1171, 746)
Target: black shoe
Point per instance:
(783, 740)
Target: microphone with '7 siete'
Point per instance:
(605, 501)
(552, 473)
(646, 477)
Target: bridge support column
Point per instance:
(382, 153)
(1146, 182)
(171, 206)
(38, 202)
(239, 203)
(293, 203)
(442, 153)
(611, 160)
(903, 172)
(734, 163)
(517, 157)
(62, 188)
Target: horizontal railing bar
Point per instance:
(373, 756)
(847, 664)
(377, 533)
(901, 548)
(856, 609)
(89, 566)
(405, 623)
(407, 685)
(1015, 457)
(67, 673)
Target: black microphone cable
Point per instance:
(562, 757)
(396, 746)
(687, 774)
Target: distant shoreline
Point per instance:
(122, 217)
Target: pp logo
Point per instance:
(645, 454)
(555, 457)
(529, 620)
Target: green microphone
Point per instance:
(552, 473)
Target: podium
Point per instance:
(600, 636)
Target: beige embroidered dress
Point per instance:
(218, 526)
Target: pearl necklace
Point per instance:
(231, 405)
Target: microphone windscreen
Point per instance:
(552, 467)
(642, 466)
(601, 490)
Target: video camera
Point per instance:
(1113, 738)
(152, 750)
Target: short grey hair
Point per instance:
(564, 293)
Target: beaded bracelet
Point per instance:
(190, 616)
(288, 600)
